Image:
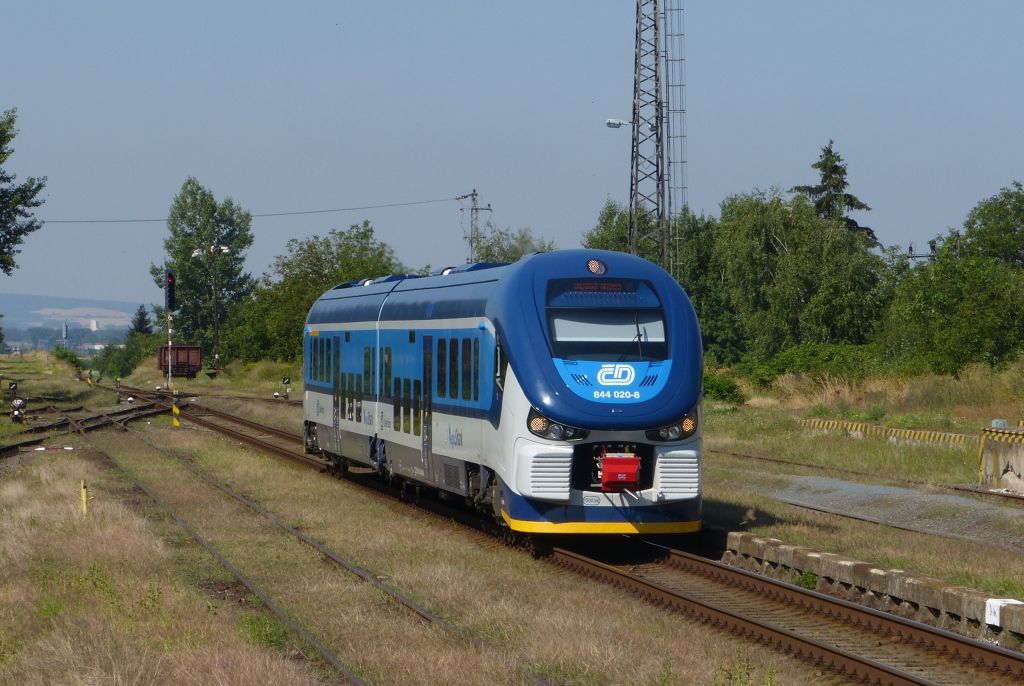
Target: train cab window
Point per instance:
(442, 367)
(406, 405)
(396, 404)
(453, 368)
(417, 418)
(612, 335)
(467, 369)
(476, 369)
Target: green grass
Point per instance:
(263, 630)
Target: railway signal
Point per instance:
(170, 302)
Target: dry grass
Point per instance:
(571, 631)
(89, 600)
(259, 379)
(964, 402)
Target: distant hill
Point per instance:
(25, 311)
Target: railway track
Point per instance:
(853, 641)
(68, 424)
(275, 441)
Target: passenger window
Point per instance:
(367, 365)
(406, 404)
(397, 411)
(453, 368)
(385, 374)
(476, 369)
(343, 392)
(467, 369)
(351, 403)
(417, 418)
(442, 367)
(359, 399)
(330, 362)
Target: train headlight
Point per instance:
(684, 428)
(540, 425)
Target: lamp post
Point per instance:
(212, 252)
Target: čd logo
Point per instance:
(616, 375)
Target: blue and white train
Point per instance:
(562, 393)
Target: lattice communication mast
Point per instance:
(658, 186)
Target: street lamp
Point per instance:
(213, 251)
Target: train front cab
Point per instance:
(570, 478)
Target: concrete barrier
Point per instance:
(863, 429)
(1001, 459)
(955, 608)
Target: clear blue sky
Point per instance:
(310, 105)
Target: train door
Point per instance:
(336, 391)
(426, 405)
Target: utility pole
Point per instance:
(657, 188)
(474, 223)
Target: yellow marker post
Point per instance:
(174, 415)
(85, 499)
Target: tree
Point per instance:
(830, 198)
(206, 251)
(140, 322)
(16, 201)
(506, 245)
(269, 323)
(792, 276)
(995, 227)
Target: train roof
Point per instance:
(513, 297)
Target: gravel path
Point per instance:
(950, 516)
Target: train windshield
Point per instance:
(603, 335)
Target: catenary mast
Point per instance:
(658, 186)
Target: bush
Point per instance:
(721, 387)
(69, 356)
(838, 360)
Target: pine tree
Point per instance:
(830, 197)
(140, 322)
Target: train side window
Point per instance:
(453, 368)
(385, 372)
(372, 390)
(359, 399)
(467, 369)
(330, 360)
(476, 369)
(312, 359)
(397, 407)
(309, 359)
(366, 369)
(344, 395)
(442, 367)
(350, 402)
(323, 359)
(406, 404)
(417, 418)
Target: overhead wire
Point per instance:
(257, 215)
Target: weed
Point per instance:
(8, 647)
(742, 674)
(263, 630)
(808, 580)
